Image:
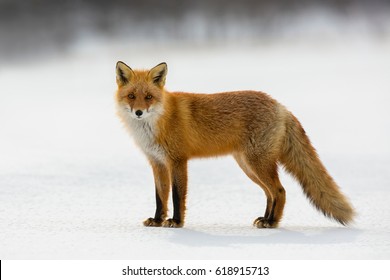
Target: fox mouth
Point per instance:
(142, 114)
(135, 115)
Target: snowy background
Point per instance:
(74, 186)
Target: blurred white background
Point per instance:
(73, 185)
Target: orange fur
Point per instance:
(173, 127)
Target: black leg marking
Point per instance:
(159, 216)
(176, 221)
(268, 221)
(179, 191)
(270, 217)
(176, 204)
(268, 208)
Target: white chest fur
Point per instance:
(144, 133)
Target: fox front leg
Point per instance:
(179, 194)
(161, 180)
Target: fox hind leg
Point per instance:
(266, 176)
(275, 205)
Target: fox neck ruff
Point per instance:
(144, 131)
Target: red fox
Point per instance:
(173, 127)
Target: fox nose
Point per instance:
(138, 113)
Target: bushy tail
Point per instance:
(301, 160)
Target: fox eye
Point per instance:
(131, 96)
(149, 97)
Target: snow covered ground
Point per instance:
(74, 186)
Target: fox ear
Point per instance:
(124, 73)
(158, 74)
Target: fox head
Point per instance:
(140, 92)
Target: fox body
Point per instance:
(260, 133)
